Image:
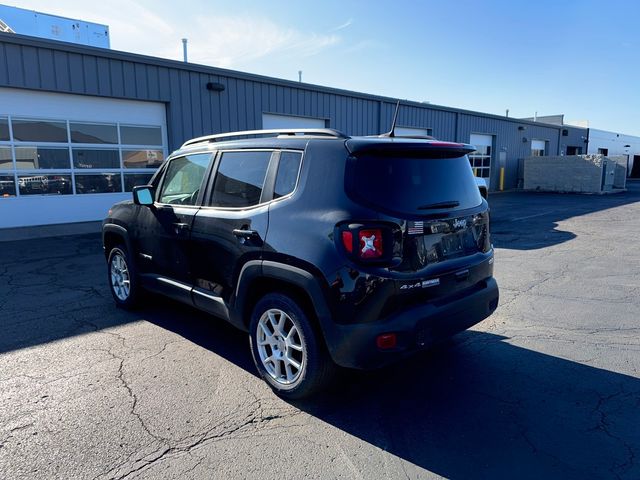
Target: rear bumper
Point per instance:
(417, 328)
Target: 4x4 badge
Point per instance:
(423, 284)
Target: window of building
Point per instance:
(36, 158)
(240, 178)
(98, 183)
(7, 186)
(603, 151)
(39, 131)
(6, 158)
(142, 158)
(574, 150)
(287, 175)
(66, 157)
(45, 185)
(135, 179)
(95, 158)
(183, 179)
(93, 133)
(4, 129)
(480, 160)
(134, 135)
(538, 148)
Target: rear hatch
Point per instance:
(428, 190)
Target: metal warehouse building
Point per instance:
(79, 126)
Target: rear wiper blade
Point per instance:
(433, 206)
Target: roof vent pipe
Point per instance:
(184, 49)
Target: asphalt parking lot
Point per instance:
(548, 387)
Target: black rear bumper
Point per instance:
(416, 328)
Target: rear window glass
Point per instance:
(239, 179)
(287, 176)
(415, 185)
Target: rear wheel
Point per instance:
(123, 282)
(286, 349)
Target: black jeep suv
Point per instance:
(327, 249)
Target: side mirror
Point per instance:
(143, 195)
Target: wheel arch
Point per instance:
(113, 235)
(259, 278)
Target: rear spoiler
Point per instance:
(406, 145)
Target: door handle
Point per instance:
(180, 227)
(244, 233)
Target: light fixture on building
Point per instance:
(215, 87)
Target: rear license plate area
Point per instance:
(452, 244)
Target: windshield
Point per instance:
(415, 185)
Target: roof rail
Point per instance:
(326, 132)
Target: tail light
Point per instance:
(347, 240)
(371, 243)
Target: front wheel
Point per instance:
(289, 355)
(123, 281)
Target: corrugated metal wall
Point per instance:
(192, 110)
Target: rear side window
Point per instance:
(239, 179)
(183, 179)
(287, 176)
(414, 185)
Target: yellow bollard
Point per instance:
(501, 178)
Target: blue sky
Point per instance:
(580, 58)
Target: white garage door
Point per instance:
(272, 121)
(412, 132)
(481, 159)
(68, 158)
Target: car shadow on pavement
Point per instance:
(529, 220)
(479, 407)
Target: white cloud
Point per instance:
(343, 26)
(230, 41)
(224, 41)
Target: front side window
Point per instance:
(239, 179)
(182, 182)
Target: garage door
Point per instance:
(272, 121)
(412, 132)
(481, 159)
(68, 158)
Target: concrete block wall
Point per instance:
(574, 173)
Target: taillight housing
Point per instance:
(371, 242)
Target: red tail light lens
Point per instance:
(387, 341)
(347, 241)
(370, 243)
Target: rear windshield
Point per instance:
(415, 185)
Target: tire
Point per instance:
(296, 366)
(122, 278)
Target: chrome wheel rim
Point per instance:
(281, 347)
(120, 278)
